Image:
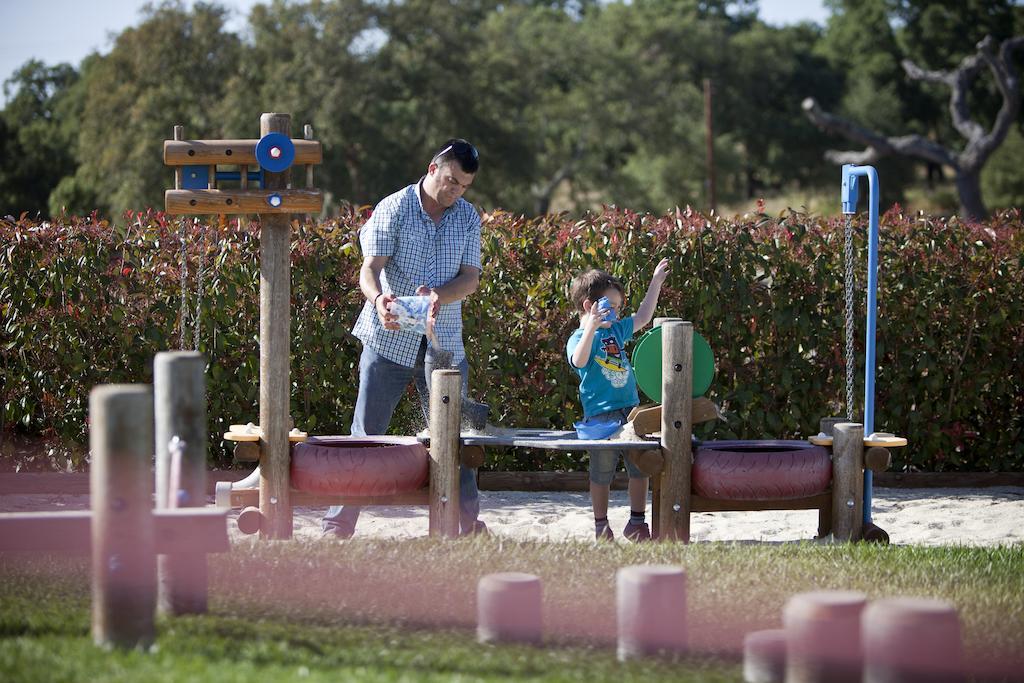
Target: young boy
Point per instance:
(608, 386)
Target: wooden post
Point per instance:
(847, 481)
(275, 349)
(656, 480)
(123, 556)
(307, 133)
(676, 430)
(709, 135)
(179, 406)
(445, 420)
(179, 134)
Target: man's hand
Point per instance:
(388, 319)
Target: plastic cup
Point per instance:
(413, 312)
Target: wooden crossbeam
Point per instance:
(241, 152)
(191, 530)
(241, 498)
(197, 202)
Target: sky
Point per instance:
(56, 31)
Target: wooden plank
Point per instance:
(241, 498)
(544, 481)
(701, 504)
(275, 354)
(232, 201)
(195, 530)
(549, 439)
(241, 152)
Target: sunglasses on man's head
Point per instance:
(461, 149)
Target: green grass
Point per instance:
(393, 611)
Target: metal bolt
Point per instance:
(850, 503)
(444, 399)
(677, 424)
(273, 500)
(444, 499)
(678, 367)
(677, 507)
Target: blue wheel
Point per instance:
(275, 152)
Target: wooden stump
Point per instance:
(445, 421)
(651, 610)
(823, 637)
(179, 404)
(848, 482)
(912, 640)
(509, 608)
(123, 555)
(764, 656)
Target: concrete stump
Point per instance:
(764, 656)
(823, 637)
(651, 609)
(508, 608)
(912, 640)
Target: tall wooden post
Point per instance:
(676, 430)
(179, 393)
(445, 422)
(123, 556)
(709, 134)
(275, 351)
(656, 479)
(847, 481)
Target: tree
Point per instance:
(170, 69)
(968, 163)
(37, 135)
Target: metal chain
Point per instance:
(183, 315)
(849, 318)
(200, 270)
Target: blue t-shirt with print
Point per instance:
(607, 381)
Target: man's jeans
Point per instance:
(381, 385)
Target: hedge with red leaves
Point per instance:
(87, 302)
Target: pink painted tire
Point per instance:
(760, 470)
(359, 467)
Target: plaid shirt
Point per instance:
(420, 253)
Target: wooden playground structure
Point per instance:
(662, 448)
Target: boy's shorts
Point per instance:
(604, 463)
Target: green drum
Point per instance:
(647, 364)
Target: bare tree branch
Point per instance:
(980, 144)
(878, 144)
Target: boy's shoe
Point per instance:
(479, 529)
(605, 534)
(637, 532)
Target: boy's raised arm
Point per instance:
(645, 313)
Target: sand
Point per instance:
(926, 517)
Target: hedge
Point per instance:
(86, 301)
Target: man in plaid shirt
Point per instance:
(421, 240)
